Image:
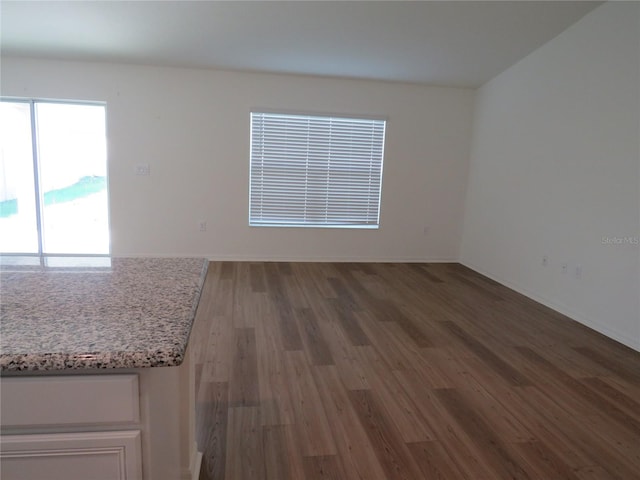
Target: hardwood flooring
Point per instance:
(310, 371)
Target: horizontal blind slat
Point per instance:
(315, 171)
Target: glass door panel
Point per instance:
(18, 219)
(72, 156)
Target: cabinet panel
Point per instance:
(65, 456)
(69, 400)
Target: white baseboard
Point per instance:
(327, 258)
(594, 324)
(196, 465)
(238, 257)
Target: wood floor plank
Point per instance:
(282, 457)
(583, 437)
(244, 381)
(295, 292)
(351, 371)
(226, 270)
(372, 285)
(243, 316)
(434, 461)
(212, 404)
(286, 321)
(557, 438)
(459, 364)
(593, 472)
(385, 310)
(477, 287)
(386, 442)
(389, 341)
(323, 468)
(592, 401)
(285, 268)
(352, 443)
(488, 356)
(403, 371)
(576, 404)
(403, 412)
(365, 268)
(315, 344)
(620, 367)
(463, 449)
(435, 300)
(424, 271)
(625, 402)
(245, 454)
(494, 448)
(572, 362)
(440, 372)
(310, 418)
(276, 453)
(489, 405)
(348, 274)
(276, 407)
(630, 389)
(349, 323)
(344, 295)
(223, 295)
(202, 326)
(312, 277)
(343, 354)
(219, 343)
(542, 462)
(256, 276)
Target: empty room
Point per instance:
(319, 240)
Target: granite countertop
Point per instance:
(112, 313)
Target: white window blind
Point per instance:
(315, 171)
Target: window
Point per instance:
(315, 171)
(53, 178)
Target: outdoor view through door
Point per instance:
(53, 178)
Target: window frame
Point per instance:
(375, 125)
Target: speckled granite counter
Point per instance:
(127, 313)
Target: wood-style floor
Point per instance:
(403, 371)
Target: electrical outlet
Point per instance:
(545, 260)
(578, 271)
(564, 268)
(425, 230)
(203, 226)
(142, 169)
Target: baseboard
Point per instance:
(196, 465)
(328, 258)
(633, 343)
(239, 257)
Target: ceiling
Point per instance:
(452, 43)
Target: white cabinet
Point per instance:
(68, 427)
(134, 424)
(68, 456)
(70, 400)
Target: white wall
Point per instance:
(554, 171)
(192, 128)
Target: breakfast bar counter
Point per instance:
(96, 377)
(98, 312)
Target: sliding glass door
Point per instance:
(53, 186)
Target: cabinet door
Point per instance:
(50, 401)
(67, 456)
